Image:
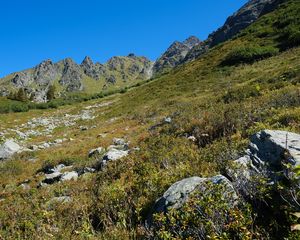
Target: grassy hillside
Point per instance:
(221, 99)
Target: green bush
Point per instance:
(291, 36)
(7, 106)
(208, 216)
(240, 94)
(249, 54)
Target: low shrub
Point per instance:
(249, 54)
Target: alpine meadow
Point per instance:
(202, 143)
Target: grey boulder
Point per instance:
(67, 176)
(179, 192)
(8, 148)
(274, 147)
(114, 154)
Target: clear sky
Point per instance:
(34, 30)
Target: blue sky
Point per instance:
(34, 30)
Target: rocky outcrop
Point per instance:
(275, 148)
(269, 152)
(71, 76)
(45, 73)
(240, 20)
(8, 148)
(118, 150)
(174, 55)
(92, 70)
(22, 79)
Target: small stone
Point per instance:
(119, 141)
(67, 176)
(58, 141)
(96, 152)
(83, 128)
(34, 147)
(192, 138)
(168, 120)
(52, 178)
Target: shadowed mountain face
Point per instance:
(241, 19)
(69, 76)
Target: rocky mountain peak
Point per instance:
(191, 41)
(90, 69)
(87, 61)
(131, 55)
(174, 54)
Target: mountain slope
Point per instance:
(241, 19)
(191, 122)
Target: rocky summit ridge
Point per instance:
(72, 77)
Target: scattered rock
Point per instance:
(96, 152)
(34, 147)
(168, 120)
(25, 186)
(119, 141)
(52, 178)
(58, 141)
(21, 135)
(46, 145)
(67, 176)
(192, 138)
(114, 154)
(83, 128)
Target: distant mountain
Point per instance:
(241, 19)
(69, 76)
(174, 54)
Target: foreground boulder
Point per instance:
(178, 194)
(8, 148)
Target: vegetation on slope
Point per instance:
(220, 105)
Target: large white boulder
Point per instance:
(8, 148)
